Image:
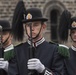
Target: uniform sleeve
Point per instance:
(3, 72)
(13, 68)
(57, 67)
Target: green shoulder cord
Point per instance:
(8, 54)
(62, 49)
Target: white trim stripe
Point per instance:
(38, 42)
(47, 72)
(8, 49)
(73, 48)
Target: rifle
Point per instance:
(31, 51)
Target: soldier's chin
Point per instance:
(33, 37)
(74, 40)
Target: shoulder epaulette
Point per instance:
(63, 50)
(18, 45)
(53, 43)
(9, 54)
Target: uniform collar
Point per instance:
(37, 42)
(10, 47)
(73, 48)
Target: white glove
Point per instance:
(4, 65)
(35, 64)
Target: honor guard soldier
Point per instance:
(36, 56)
(68, 26)
(7, 46)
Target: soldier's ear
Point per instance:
(44, 26)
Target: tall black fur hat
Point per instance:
(5, 25)
(34, 14)
(66, 22)
(64, 25)
(17, 25)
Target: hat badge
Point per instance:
(74, 24)
(29, 16)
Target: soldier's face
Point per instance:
(6, 36)
(36, 28)
(73, 34)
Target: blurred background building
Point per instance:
(51, 9)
